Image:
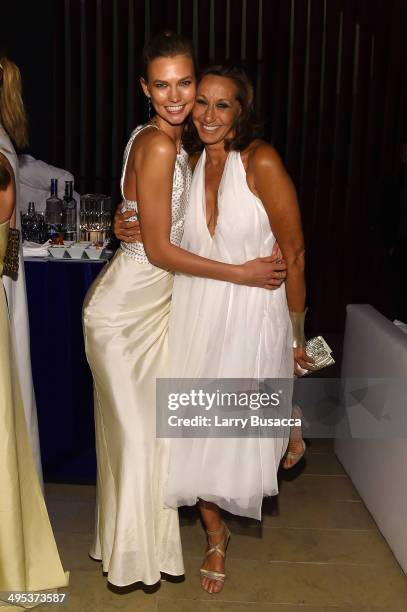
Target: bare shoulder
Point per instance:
(153, 144)
(262, 156)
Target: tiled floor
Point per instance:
(317, 550)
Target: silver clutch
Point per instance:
(320, 351)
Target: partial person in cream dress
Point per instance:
(29, 559)
(125, 320)
(13, 129)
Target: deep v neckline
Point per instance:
(212, 236)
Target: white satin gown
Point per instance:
(125, 318)
(223, 330)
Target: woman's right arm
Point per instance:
(7, 190)
(154, 168)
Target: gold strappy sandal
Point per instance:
(294, 457)
(219, 548)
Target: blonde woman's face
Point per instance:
(171, 87)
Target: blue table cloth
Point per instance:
(62, 378)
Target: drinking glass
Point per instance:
(95, 217)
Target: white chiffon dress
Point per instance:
(125, 318)
(223, 330)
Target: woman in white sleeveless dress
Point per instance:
(241, 201)
(125, 320)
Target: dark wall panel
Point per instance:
(330, 79)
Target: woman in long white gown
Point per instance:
(241, 201)
(29, 559)
(125, 323)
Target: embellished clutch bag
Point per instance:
(321, 353)
(11, 259)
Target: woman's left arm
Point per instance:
(275, 189)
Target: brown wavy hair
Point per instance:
(247, 126)
(12, 111)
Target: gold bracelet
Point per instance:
(297, 322)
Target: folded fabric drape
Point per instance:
(29, 559)
(17, 302)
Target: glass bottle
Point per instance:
(32, 224)
(27, 222)
(53, 212)
(69, 212)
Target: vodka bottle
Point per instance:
(69, 212)
(53, 212)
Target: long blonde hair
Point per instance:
(12, 111)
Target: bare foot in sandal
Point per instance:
(213, 568)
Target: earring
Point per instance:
(149, 106)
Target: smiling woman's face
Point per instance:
(171, 87)
(216, 109)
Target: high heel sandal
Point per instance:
(219, 548)
(294, 457)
